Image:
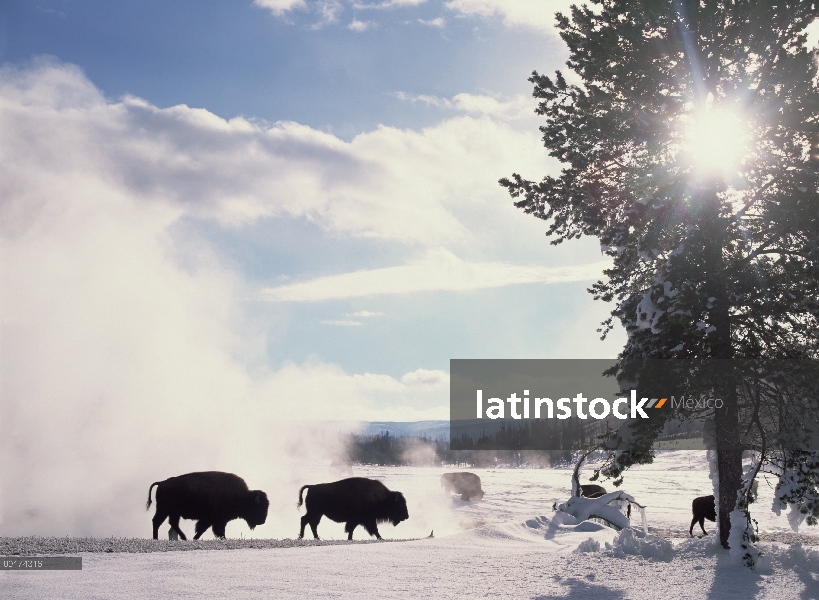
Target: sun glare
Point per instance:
(716, 141)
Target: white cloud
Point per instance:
(515, 13)
(424, 378)
(359, 26)
(439, 22)
(51, 11)
(519, 107)
(328, 11)
(342, 323)
(391, 184)
(361, 314)
(438, 270)
(279, 7)
(426, 99)
(386, 4)
(539, 16)
(322, 391)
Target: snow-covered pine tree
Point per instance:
(686, 146)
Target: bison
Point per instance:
(703, 508)
(592, 490)
(211, 498)
(354, 501)
(468, 485)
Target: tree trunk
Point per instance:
(729, 449)
(729, 459)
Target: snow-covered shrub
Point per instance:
(743, 535)
(585, 508)
(638, 543)
(742, 539)
(589, 545)
(798, 486)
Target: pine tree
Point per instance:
(715, 256)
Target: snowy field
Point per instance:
(509, 545)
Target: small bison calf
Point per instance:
(468, 485)
(210, 498)
(703, 508)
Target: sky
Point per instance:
(215, 218)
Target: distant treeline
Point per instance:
(386, 449)
(525, 435)
(549, 435)
(504, 446)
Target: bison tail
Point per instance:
(301, 491)
(148, 504)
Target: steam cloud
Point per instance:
(123, 351)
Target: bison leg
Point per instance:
(313, 521)
(372, 529)
(173, 521)
(349, 527)
(159, 517)
(694, 521)
(201, 527)
(314, 525)
(304, 521)
(219, 529)
(466, 497)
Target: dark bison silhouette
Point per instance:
(210, 498)
(703, 508)
(591, 490)
(468, 485)
(354, 501)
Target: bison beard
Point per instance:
(354, 501)
(703, 508)
(211, 498)
(468, 485)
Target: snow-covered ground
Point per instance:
(665, 487)
(509, 545)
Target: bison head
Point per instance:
(255, 509)
(398, 510)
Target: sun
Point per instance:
(716, 142)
